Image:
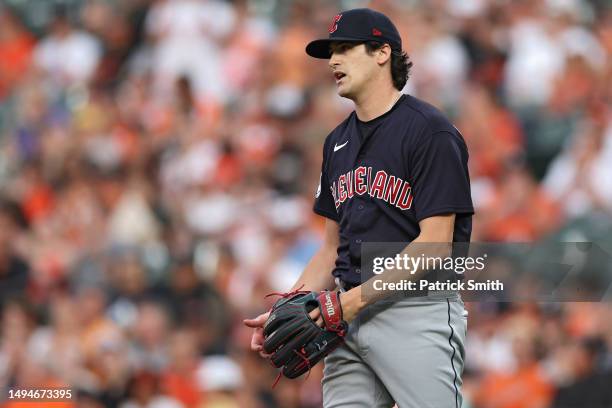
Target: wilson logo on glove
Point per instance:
(329, 305)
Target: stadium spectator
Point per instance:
(67, 54)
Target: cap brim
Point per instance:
(320, 48)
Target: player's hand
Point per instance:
(352, 303)
(257, 339)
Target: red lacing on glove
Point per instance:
(288, 294)
(277, 379)
(305, 362)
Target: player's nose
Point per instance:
(334, 61)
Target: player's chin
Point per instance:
(343, 91)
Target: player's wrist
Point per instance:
(352, 303)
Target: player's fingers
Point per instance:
(259, 321)
(316, 317)
(257, 340)
(251, 323)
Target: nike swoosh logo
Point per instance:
(336, 147)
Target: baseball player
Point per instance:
(395, 170)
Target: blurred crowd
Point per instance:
(158, 161)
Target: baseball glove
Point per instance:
(295, 342)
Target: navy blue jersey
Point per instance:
(380, 178)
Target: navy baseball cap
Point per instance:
(357, 25)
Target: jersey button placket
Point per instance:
(358, 270)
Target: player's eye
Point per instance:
(341, 48)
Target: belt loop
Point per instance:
(340, 285)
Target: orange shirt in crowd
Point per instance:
(18, 51)
(525, 388)
(182, 388)
(533, 216)
(38, 203)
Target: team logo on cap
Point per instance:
(334, 25)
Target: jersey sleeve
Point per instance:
(324, 201)
(441, 182)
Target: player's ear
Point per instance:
(383, 54)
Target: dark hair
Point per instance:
(400, 64)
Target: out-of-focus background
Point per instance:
(158, 161)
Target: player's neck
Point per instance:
(377, 101)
